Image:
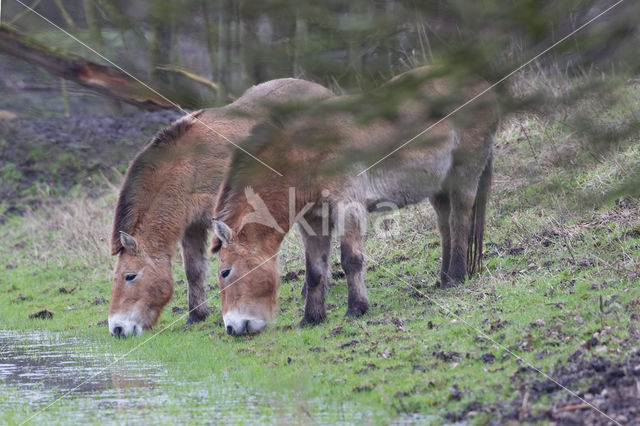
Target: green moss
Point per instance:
(36, 153)
(531, 300)
(10, 173)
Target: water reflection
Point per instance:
(43, 366)
(37, 367)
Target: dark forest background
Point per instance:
(208, 52)
(58, 131)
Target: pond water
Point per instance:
(87, 385)
(36, 368)
(39, 364)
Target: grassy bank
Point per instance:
(561, 286)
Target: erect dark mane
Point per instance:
(175, 130)
(241, 166)
(128, 213)
(224, 196)
(227, 201)
(222, 212)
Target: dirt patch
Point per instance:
(349, 344)
(100, 301)
(611, 387)
(43, 314)
(605, 390)
(290, 276)
(45, 156)
(363, 388)
(488, 358)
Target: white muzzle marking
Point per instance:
(237, 323)
(125, 325)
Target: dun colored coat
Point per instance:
(168, 197)
(325, 156)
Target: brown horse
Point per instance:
(168, 196)
(450, 165)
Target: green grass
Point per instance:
(556, 272)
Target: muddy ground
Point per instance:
(611, 387)
(45, 153)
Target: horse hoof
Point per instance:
(189, 323)
(444, 284)
(357, 310)
(197, 317)
(310, 321)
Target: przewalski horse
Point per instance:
(320, 154)
(168, 196)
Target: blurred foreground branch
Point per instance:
(100, 78)
(190, 75)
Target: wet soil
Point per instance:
(44, 153)
(606, 392)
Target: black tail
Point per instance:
(476, 236)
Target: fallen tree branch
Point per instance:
(100, 78)
(572, 408)
(190, 75)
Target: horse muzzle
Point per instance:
(238, 324)
(121, 325)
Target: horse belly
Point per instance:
(407, 185)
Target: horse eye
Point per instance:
(225, 273)
(130, 277)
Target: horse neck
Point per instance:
(161, 232)
(269, 240)
(247, 217)
(182, 199)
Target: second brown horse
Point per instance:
(324, 155)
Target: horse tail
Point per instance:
(476, 236)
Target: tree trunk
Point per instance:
(224, 15)
(67, 18)
(161, 41)
(95, 35)
(91, 15)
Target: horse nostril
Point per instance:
(230, 330)
(117, 331)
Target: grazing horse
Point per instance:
(168, 197)
(322, 154)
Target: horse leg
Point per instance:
(442, 205)
(316, 280)
(352, 260)
(194, 248)
(303, 291)
(462, 196)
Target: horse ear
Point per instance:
(223, 232)
(128, 242)
(216, 244)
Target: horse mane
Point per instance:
(128, 212)
(236, 177)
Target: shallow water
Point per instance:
(41, 367)
(37, 368)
